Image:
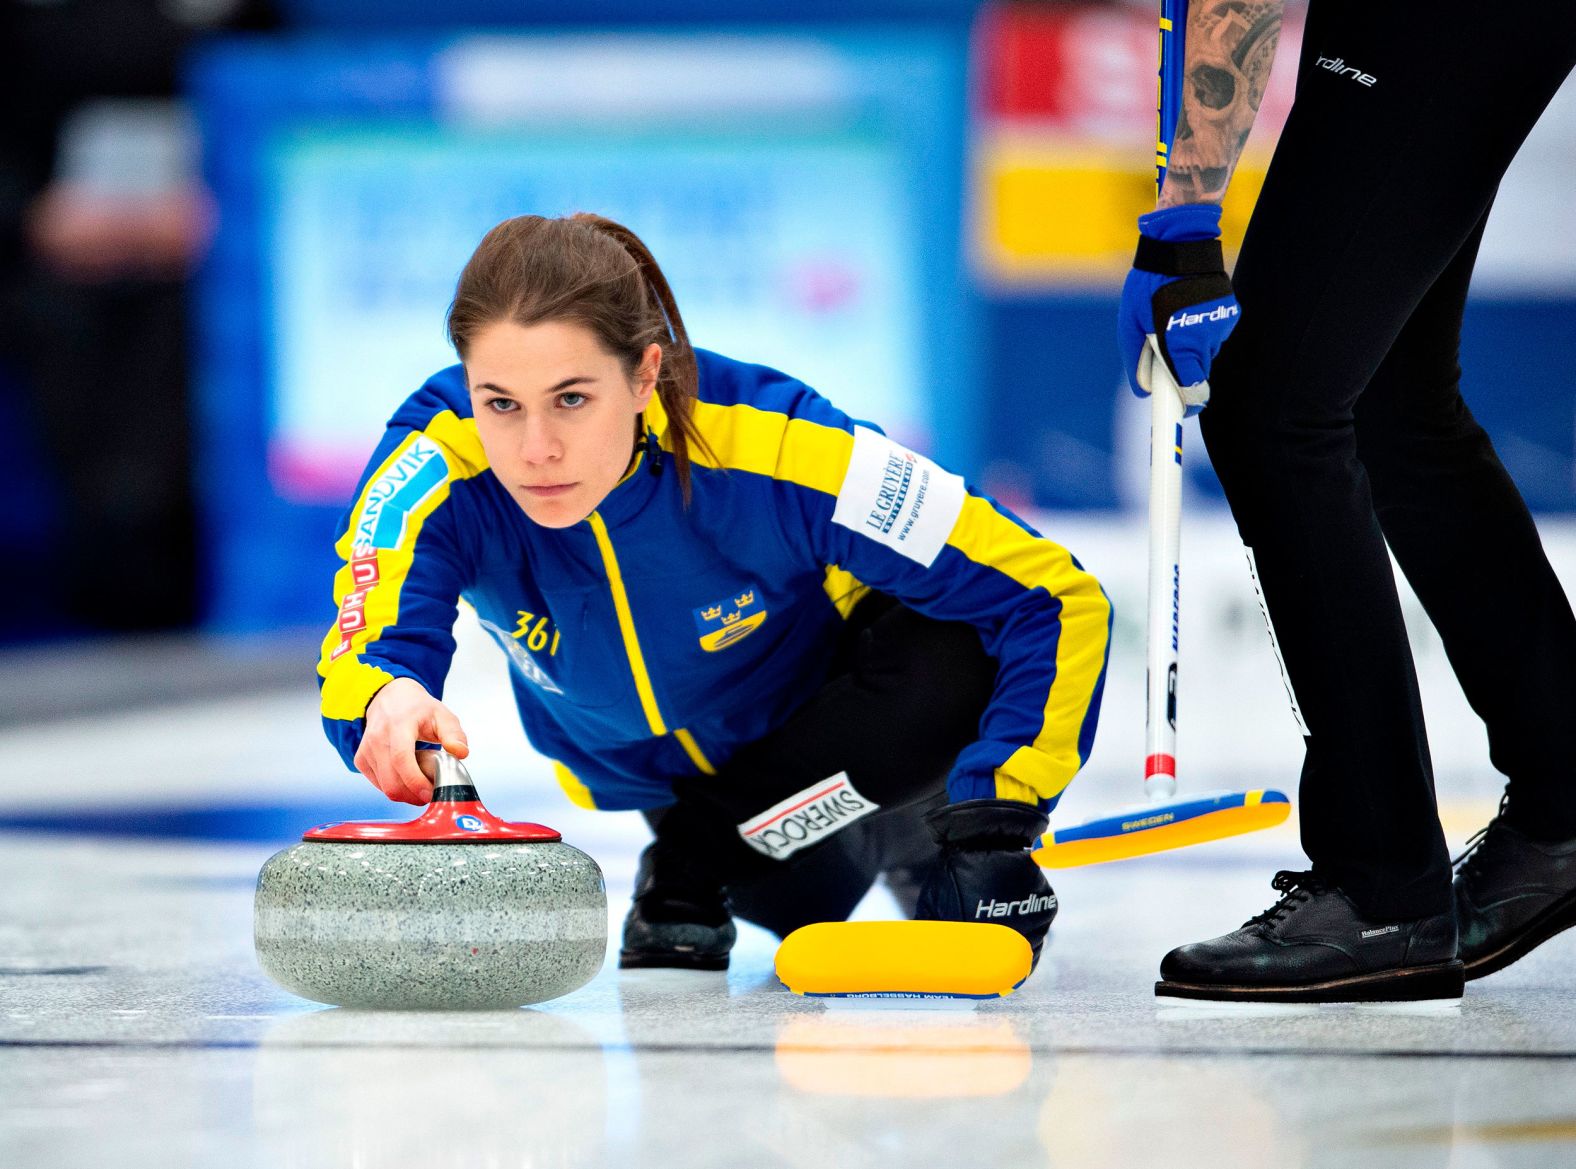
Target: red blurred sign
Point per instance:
(1091, 69)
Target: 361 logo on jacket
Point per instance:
(729, 620)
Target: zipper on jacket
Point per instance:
(637, 660)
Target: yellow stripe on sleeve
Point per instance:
(367, 587)
(348, 689)
(843, 589)
(807, 454)
(1046, 766)
(579, 794)
(459, 438)
(1008, 788)
(765, 442)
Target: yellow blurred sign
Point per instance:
(1059, 210)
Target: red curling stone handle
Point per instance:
(455, 816)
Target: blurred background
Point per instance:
(229, 230)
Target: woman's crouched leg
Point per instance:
(905, 696)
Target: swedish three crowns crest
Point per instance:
(731, 619)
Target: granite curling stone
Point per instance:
(455, 910)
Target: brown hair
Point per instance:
(596, 273)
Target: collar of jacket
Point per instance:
(641, 482)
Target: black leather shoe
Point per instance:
(1314, 946)
(1513, 894)
(678, 920)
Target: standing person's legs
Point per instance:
(1470, 550)
(1354, 227)
(1466, 541)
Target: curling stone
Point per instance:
(456, 909)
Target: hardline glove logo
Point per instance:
(1221, 312)
(1034, 903)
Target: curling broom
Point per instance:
(1166, 820)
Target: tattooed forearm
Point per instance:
(1227, 53)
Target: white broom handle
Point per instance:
(1165, 578)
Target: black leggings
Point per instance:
(904, 696)
(1337, 425)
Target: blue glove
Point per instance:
(1179, 291)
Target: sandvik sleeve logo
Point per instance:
(400, 490)
(899, 498)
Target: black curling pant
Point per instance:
(1337, 426)
(903, 697)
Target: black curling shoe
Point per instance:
(676, 921)
(1314, 946)
(1513, 894)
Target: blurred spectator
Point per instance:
(102, 218)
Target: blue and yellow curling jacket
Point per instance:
(650, 641)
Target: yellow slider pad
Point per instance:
(904, 960)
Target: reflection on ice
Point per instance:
(911, 1056)
(436, 1089)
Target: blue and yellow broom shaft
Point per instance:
(1165, 469)
(1165, 582)
(1168, 83)
(1168, 821)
